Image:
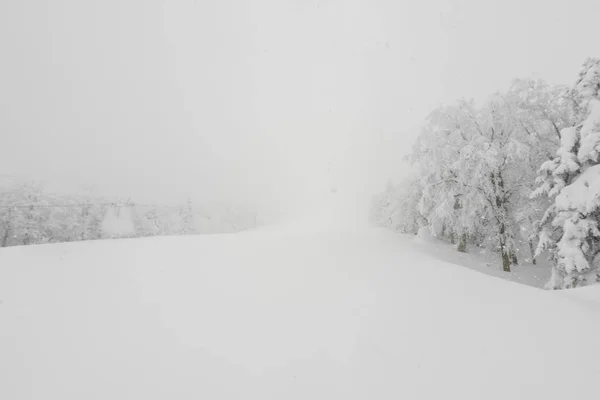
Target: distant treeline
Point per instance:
(30, 215)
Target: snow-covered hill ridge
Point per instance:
(295, 314)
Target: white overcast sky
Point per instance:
(263, 100)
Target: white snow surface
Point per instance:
(283, 313)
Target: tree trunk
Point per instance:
(500, 201)
(27, 238)
(505, 262)
(462, 244)
(504, 253)
(513, 258)
(532, 251)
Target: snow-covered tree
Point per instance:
(6, 221)
(397, 207)
(478, 166)
(572, 179)
(8, 199)
(186, 213)
(30, 215)
(466, 155)
(442, 192)
(151, 222)
(541, 112)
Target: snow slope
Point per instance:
(282, 314)
(488, 262)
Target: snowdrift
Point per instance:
(294, 315)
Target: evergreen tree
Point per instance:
(570, 230)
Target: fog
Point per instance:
(271, 103)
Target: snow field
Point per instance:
(263, 315)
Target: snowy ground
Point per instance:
(486, 261)
(290, 312)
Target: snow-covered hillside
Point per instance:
(283, 314)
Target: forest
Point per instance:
(517, 174)
(31, 214)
